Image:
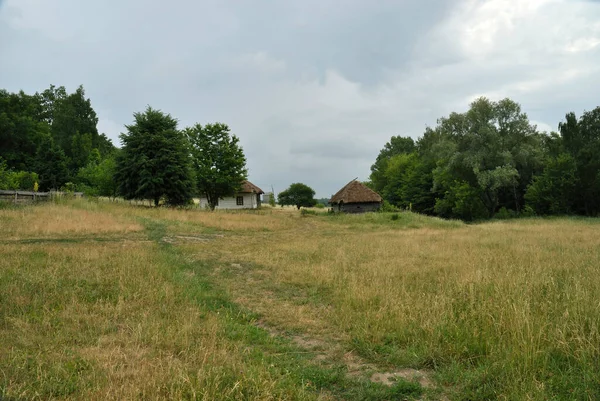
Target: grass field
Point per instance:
(108, 301)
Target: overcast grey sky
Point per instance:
(313, 88)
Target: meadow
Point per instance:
(102, 301)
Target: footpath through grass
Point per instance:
(138, 318)
(103, 301)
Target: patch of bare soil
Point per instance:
(357, 366)
(175, 239)
(330, 352)
(414, 375)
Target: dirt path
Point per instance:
(330, 352)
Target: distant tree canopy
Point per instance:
(299, 195)
(491, 157)
(98, 178)
(485, 162)
(17, 179)
(50, 140)
(53, 133)
(396, 146)
(218, 161)
(154, 161)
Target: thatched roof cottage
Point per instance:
(356, 197)
(248, 197)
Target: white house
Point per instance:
(247, 198)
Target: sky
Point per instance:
(313, 88)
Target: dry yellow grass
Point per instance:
(102, 321)
(244, 221)
(501, 310)
(520, 294)
(52, 219)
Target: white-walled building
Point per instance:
(247, 198)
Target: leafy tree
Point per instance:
(71, 114)
(154, 160)
(73, 124)
(26, 121)
(496, 152)
(22, 129)
(409, 181)
(417, 192)
(468, 166)
(81, 147)
(6, 181)
(97, 178)
(403, 175)
(396, 175)
(218, 161)
(49, 99)
(298, 195)
(396, 146)
(581, 139)
(461, 200)
(52, 165)
(555, 190)
(26, 180)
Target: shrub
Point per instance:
(388, 207)
(307, 212)
(527, 212)
(395, 216)
(16, 180)
(554, 191)
(69, 187)
(504, 214)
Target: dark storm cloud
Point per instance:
(313, 88)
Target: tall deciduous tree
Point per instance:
(154, 161)
(555, 190)
(299, 195)
(98, 178)
(218, 161)
(581, 139)
(22, 129)
(396, 146)
(52, 165)
(497, 152)
(73, 123)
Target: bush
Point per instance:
(69, 188)
(307, 212)
(527, 212)
(387, 207)
(320, 206)
(26, 180)
(554, 191)
(461, 201)
(17, 180)
(395, 216)
(504, 214)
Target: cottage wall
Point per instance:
(359, 207)
(250, 202)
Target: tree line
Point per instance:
(487, 162)
(46, 138)
(50, 140)
(492, 162)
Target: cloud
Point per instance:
(313, 89)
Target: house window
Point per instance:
(239, 200)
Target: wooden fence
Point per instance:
(31, 197)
